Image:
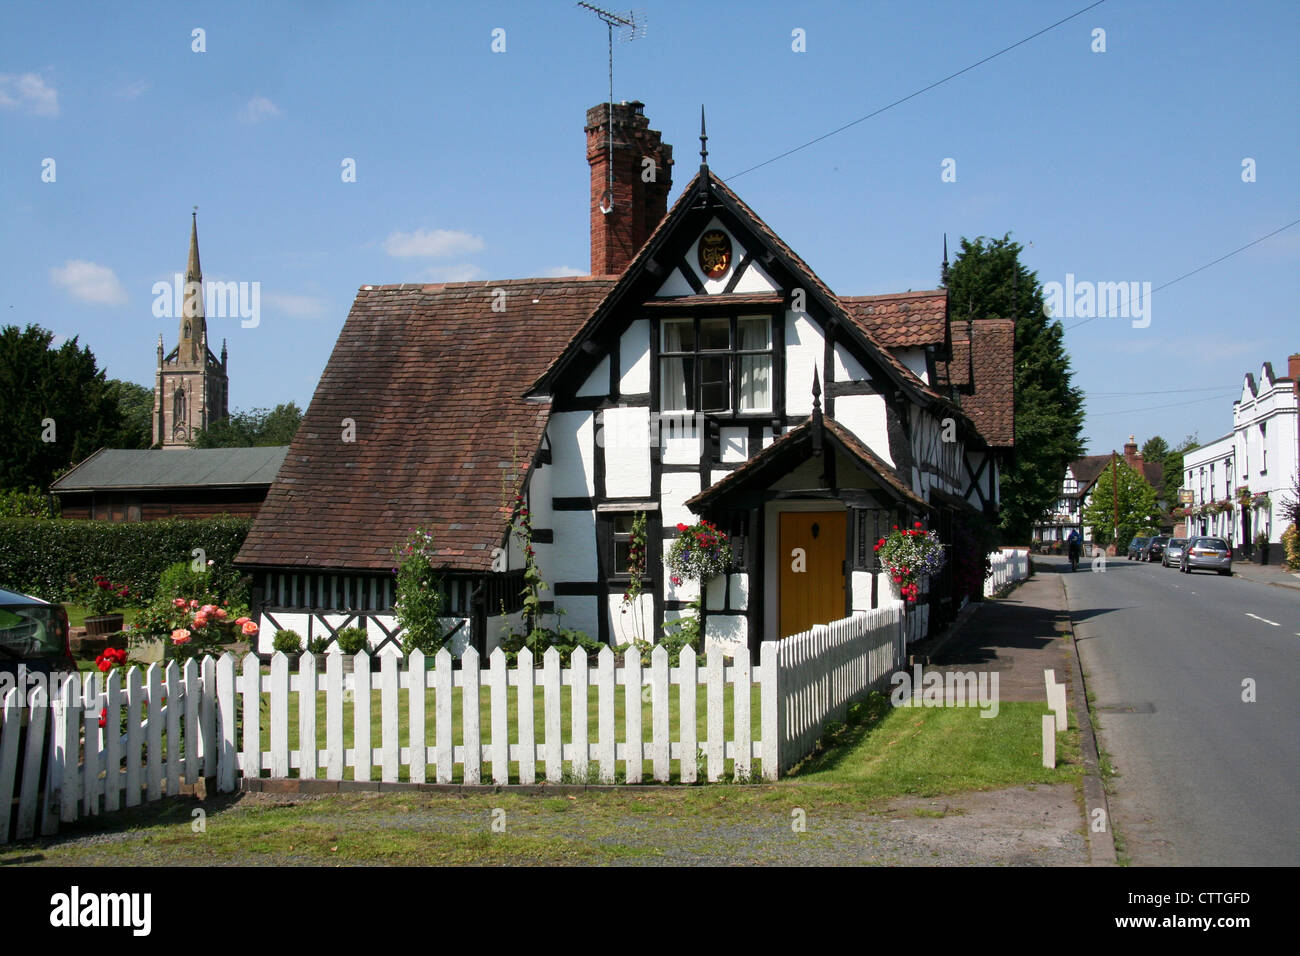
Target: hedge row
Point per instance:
(57, 559)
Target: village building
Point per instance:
(1258, 460)
(119, 484)
(701, 370)
(1077, 487)
(191, 385)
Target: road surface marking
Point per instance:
(1264, 619)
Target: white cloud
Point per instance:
(461, 273)
(129, 91)
(29, 92)
(433, 243)
(258, 109)
(89, 282)
(558, 272)
(296, 306)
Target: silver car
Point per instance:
(1173, 552)
(1212, 554)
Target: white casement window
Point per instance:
(1263, 450)
(717, 364)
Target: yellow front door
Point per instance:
(812, 569)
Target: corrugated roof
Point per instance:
(174, 468)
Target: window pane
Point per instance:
(754, 332)
(622, 557)
(755, 383)
(715, 334)
(675, 385)
(715, 384)
(623, 524)
(678, 335)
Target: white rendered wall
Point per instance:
(804, 350)
(625, 435)
(847, 368)
(623, 618)
(727, 632)
(574, 552)
(597, 382)
(572, 437)
(675, 284)
(676, 488)
(634, 359)
(914, 359)
(867, 417)
(679, 439)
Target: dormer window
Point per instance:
(716, 364)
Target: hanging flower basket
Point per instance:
(700, 552)
(907, 555)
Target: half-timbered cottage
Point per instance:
(702, 369)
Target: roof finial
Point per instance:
(704, 142)
(817, 395)
(945, 259)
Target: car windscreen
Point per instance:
(30, 631)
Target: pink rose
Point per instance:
(220, 613)
(241, 621)
(193, 603)
(249, 628)
(209, 609)
(180, 636)
(179, 602)
(200, 619)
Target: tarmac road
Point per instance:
(1207, 777)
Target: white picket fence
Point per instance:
(207, 720)
(1009, 565)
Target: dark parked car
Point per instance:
(1210, 554)
(1173, 552)
(33, 640)
(1155, 548)
(1135, 548)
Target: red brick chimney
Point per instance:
(1293, 371)
(639, 198)
(1131, 456)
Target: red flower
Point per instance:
(917, 525)
(680, 526)
(103, 717)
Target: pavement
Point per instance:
(1270, 574)
(1020, 636)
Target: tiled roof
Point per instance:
(901, 320)
(989, 352)
(174, 468)
(433, 379)
(1089, 468)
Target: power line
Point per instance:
(1151, 408)
(909, 96)
(1167, 391)
(1200, 268)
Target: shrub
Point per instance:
(286, 641)
(56, 559)
(318, 644)
(353, 640)
(32, 503)
(420, 598)
(193, 629)
(1291, 547)
(540, 639)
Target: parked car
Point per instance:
(33, 636)
(1211, 554)
(1173, 552)
(1155, 547)
(1135, 548)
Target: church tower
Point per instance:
(191, 384)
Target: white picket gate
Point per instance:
(207, 720)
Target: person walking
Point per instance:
(1076, 545)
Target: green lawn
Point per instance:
(77, 614)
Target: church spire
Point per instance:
(192, 344)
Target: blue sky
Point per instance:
(1122, 166)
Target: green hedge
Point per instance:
(55, 559)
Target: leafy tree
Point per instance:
(135, 407)
(254, 428)
(55, 406)
(1173, 462)
(1138, 513)
(987, 280)
(1155, 449)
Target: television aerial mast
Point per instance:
(630, 27)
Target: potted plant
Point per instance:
(319, 644)
(1261, 548)
(288, 643)
(351, 641)
(182, 629)
(102, 600)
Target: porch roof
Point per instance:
(797, 446)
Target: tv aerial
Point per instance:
(630, 27)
